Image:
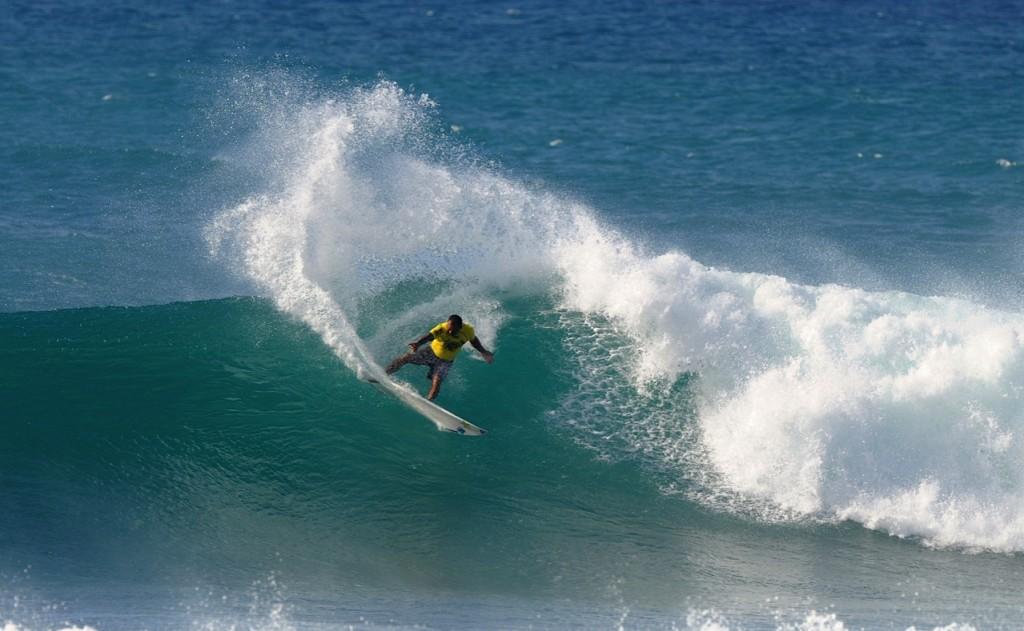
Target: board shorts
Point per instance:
(425, 357)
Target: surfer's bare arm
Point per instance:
(488, 355)
(423, 340)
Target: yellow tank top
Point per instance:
(445, 345)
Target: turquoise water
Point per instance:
(750, 272)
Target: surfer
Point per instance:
(446, 340)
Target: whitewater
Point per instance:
(800, 403)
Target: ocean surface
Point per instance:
(752, 273)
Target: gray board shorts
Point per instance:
(425, 357)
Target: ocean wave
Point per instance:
(897, 411)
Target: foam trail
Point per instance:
(898, 411)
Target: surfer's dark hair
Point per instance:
(456, 320)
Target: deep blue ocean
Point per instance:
(752, 273)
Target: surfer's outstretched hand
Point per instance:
(488, 357)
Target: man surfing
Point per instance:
(446, 340)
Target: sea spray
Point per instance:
(358, 211)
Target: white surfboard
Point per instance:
(445, 420)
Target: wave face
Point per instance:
(178, 452)
(744, 392)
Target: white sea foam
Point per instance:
(10, 626)
(709, 620)
(901, 412)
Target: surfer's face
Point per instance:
(451, 327)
